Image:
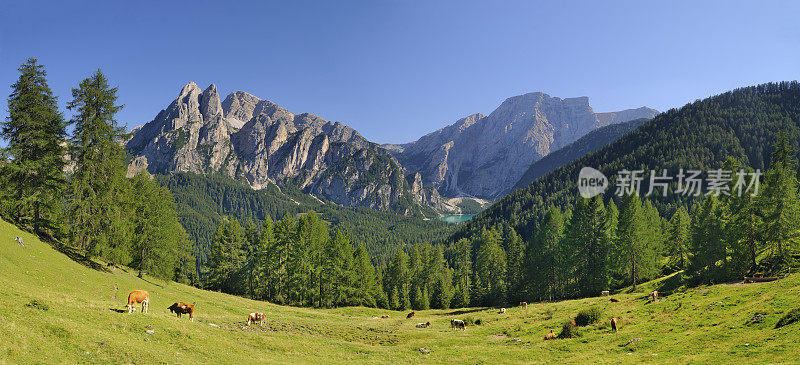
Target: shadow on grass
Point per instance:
(117, 310)
(76, 256)
(465, 311)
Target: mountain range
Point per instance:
(255, 140)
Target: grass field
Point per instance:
(55, 310)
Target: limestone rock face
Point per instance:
(257, 140)
(484, 156)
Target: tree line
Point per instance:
(72, 187)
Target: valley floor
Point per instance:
(55, 310)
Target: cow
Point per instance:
(384, 316)
(523, 304)
(19, 241)
(614, 300)
(654, 296)
(424, 325)
(410, 315)
(183, 308)
(614, 324)
(502, 310)
(177, 307)
(136, 297)
(256, 317)
(458, 324)
(604, 293)
(550, 336)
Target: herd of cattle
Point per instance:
(180, 308)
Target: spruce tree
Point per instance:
(96, 214)
(679, 239)
(35, 134)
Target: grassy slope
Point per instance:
(706, 324)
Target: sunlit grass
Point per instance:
(53, 309)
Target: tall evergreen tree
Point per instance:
(779, 200)
(679, 239)
(35, 134)
(490, 269)
(96, 215)
(634, 252)
(227, 258)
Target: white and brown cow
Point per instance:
(136, 297)
(256, 317)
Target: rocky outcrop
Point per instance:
(257, 140)
(484, 156)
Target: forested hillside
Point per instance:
(203, 200)
(742, 124)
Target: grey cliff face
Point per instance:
(257, 140)
(484, 156)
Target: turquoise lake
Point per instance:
(456, 218)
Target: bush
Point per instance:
(472, 321)
(35, 304)
(789, 318)
(588, 316)
(568, 330)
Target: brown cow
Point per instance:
(410, 315)
(256, 317)
(502, 310)
(550, 336)
(654, 295)
(183, 308)
(136, 297)
(614, 324)
(523, 304)
(614, 300)
(424, 325)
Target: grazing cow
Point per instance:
(410, 315)
(604, 293)
(614, 300)
(502, 310)
(523, 304)
(136, 297)
(19, 241)
(183, 308)
(256, 317)
(177, 307)
(654, 295)
(458, 324)
(424, 325)
(385, 316)
(614, 324)
(550, 336)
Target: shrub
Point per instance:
(588, 316)
(35, 304)
(472, 321)
(789, 318)
(568, 330)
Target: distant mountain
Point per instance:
(248, 138)
(589, 143)
(485, 156)
(742, 124)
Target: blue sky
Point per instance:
(395, 70)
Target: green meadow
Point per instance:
(57, 310)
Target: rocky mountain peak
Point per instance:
(210, 104)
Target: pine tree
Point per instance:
(227, 258)
(634, 252)
(463, 267)
(367, 288)
(679, 239)
(515, 254)
(35, 133)
(96, 215)
(159, 240)
(543, 257)
(490, 269)
(779, 200)
(708, 241)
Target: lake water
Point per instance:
(456, 218)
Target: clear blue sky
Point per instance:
(395, 70)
